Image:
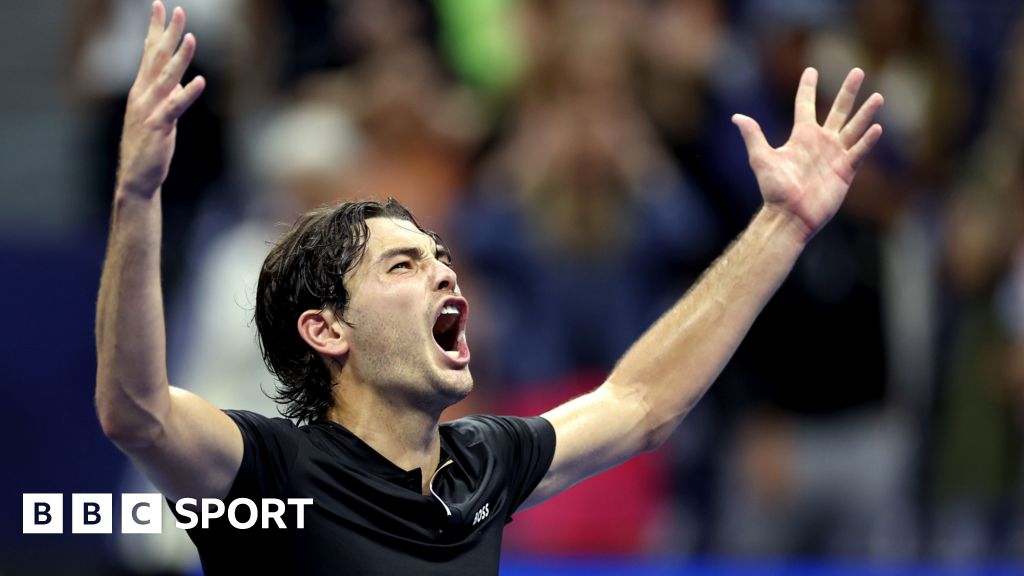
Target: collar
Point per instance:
(373, 462)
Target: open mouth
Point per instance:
(449, 328)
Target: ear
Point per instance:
(324, 332)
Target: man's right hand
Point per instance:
(182, 443)
(156, 101)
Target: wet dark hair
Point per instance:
(305, 271)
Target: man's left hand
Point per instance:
(806, 179)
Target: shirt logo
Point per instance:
(481, 514)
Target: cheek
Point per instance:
(385, 327)
(386, 315)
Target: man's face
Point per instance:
(406, 318)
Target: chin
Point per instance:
(455, 387)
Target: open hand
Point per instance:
(807, 177)
(156, 101)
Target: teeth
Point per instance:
(449, 309)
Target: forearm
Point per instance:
(132, 394)
(671, 366)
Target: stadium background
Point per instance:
(578, 156)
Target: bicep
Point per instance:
(198, 454)
(593, 432)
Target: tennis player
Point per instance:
(360, 318)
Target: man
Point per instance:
(361, 319)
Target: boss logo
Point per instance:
(481, 514)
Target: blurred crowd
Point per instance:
(578, 157)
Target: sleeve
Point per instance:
(271, 446)
(527, 446)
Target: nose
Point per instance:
(445, 278)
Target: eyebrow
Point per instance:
(416, 253)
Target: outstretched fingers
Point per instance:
(860, 150)
(172, 73)
(162, 48)
(856, 127)
(157, 21)
(840, 111)
(181, 98)
(805, 96)
(753, 138)
(156, 27)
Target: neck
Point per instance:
(405, 435)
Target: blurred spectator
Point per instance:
(977, 471)
(579, 209)
(582, 230)
(379, 59)
(420, 132)
(822, 457)
(1011, 301)
(684, 44)
(927, 104)
(293, 41)
(896, 43)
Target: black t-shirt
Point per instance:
(369, 516)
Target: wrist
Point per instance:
(125, 192)
(133, 205)
(783, 226)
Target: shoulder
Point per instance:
(270, 449)
(249, 422)
(263, 436)
(492, 429)
(517, 450)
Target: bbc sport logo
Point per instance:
(143, 513)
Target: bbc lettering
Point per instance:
(91, 513)
(143, 513)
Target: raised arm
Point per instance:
(182, 443)
(669, 368)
